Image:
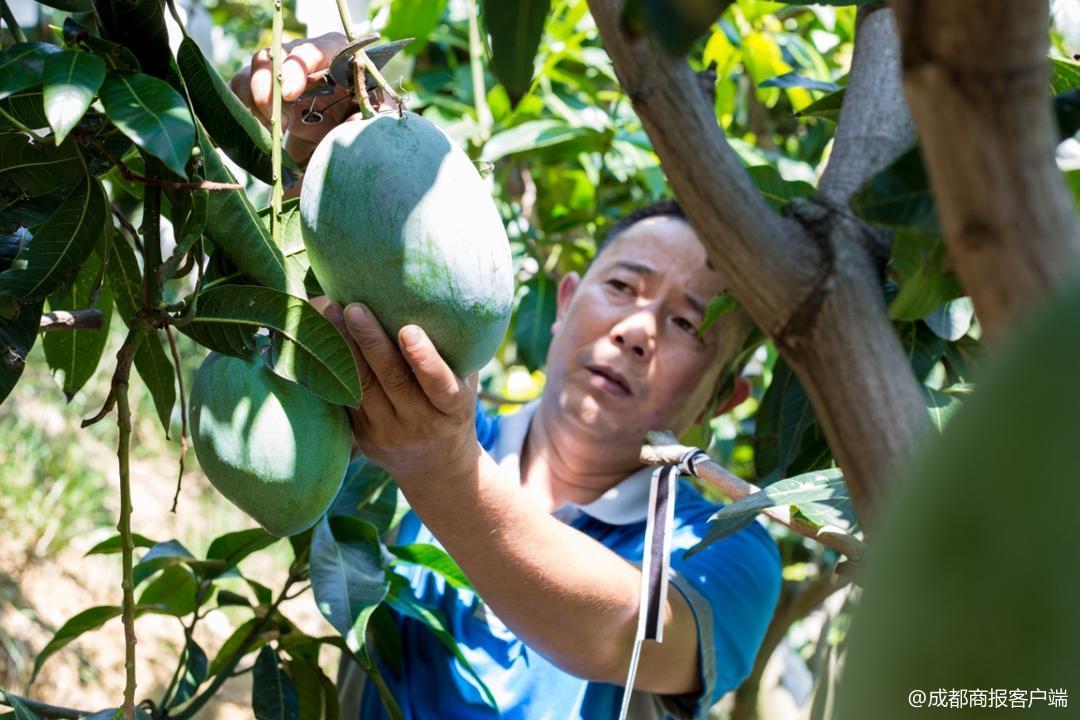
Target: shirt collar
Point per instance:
(625, 503)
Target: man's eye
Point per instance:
(686, 325)
(619, 285)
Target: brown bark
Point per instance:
(976, 77)
(811, 286)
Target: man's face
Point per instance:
(626, 356)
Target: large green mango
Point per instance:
(394, 215)
(276, 450)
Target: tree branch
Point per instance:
(87, 319)
(976, 77)
(813, 290)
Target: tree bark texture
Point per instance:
(810, 285)
(977, 78)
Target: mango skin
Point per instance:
(395, 215)
(274, 449)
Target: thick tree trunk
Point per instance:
(976, 77)
(811, 286)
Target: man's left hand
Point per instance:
(416, 416)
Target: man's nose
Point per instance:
(636, 334)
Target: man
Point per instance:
(544, 511)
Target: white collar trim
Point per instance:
(625, 503)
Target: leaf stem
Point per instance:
(9, 20)
(14, 121)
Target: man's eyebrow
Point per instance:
(635, 267)
(695, 303)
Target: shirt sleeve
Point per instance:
(487, 427)
(732, 587)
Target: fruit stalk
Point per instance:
(362, 66)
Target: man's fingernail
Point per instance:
(410, 336)
(355, 315)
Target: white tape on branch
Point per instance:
(655, 565)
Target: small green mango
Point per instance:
(274, 449)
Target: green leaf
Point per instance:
(21, 711)
(75, 354)
(227, 120)
(899, 196)
(307, 677)
(778, 191)
(952, 320)
(125, 278)
(784, 419)
(368, 493)
(26, 107)
(677, 24)
(922, 346)
(273, 695)
(402, 600)
(70, 81)
(188, 215)
(84, 622)
(173, 592)
(920, 264)
(152, 114)
(195, 670)
(433, 558)
(233, 644)
(827, 107)
(940, 405)
(233, 547)
(115, 544)
(308, 348)
(17, 336)
(155, 368)
(535, 316)
(161, 555)
(531, 135)
(719, 306)
(71, 6)
(38, 168)
(795, 80)
(348, 577)
(21, 66)
(413, 19)
(1067, 111)
(138, 25)
(1064, 76)
(516, 29)
(61, 244)
(241, 235)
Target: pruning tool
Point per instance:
(340, 74)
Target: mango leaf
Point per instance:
(75, 354)
(535, 315)
(795, 80)
(238, 232)
(531, 135)
(172, 593)
(515, 29)
(940, 405)
(413, 19)
(827, 107)
(61, 244)
(70, 81)
(125, 278)
(919, 264)
(719, 306)
(138, 25)
(1064, 76)
(348, 576)
(38, 168)
(71, 6)
(401, 599)
(676, 24)
(188, 215)
(961, 359)
(227, 120)
(368, 493)
(922, 346)
(161, 555)
(307, 677)
(273, 695)
(20, 710)
(26, 107)
(21, 66)
(778, 191)
(308, 348)
(1067, 111)
(196, 666)
(152, 114)
(234, 643)
(899, 196)
(84, 622)
(17, 336)
(952, 320)
(783, 420)
(233, 547)
(115, 544)
(155, 368)
(433, 558)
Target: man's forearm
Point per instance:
(561, 592)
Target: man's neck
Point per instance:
(557, 466)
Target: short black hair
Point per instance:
(663, 208)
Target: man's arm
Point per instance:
(561, 592)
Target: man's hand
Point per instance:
(416, 418)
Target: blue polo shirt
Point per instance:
(732, 587)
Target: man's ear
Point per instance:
(567, 287)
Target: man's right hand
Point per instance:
(254, 86)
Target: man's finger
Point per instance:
(444, 389)
(302, 58)
(374, 402)
(382, 356)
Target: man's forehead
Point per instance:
(657, 245)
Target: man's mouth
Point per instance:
(614, 381)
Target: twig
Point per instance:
(183, 413)
(664, 449)
(277, 191)
(128, 174)
(151, 232)
(9, 20)
(126, 225)
(88, 319)
(110, 400)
